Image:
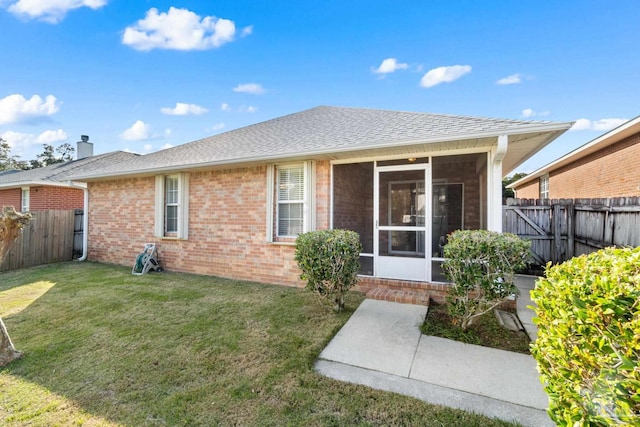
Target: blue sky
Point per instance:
(144, 75)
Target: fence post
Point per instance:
(571, 213)
(557, 233)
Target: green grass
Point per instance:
(105, 348)
(487, 331)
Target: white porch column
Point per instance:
(494, 182)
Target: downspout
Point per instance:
(85, 220)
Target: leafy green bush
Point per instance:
(329, 260)
(481, 265)
(588, 346)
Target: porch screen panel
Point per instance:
(402, 214)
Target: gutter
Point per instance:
(85, 219)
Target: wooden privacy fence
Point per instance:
(49, 237)
(560, 229)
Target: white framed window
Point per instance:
(291, 204)
(25, 199)
(544, 187)
(172, 206)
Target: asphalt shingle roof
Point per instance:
(315, 131)
(62, 172)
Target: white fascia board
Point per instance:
(534, 128)
(621, 132)
(20, 184)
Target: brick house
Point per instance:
(607, 166)
(232, 204)
(50, 187)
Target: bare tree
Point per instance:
(11, 224)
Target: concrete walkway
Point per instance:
(381, 346)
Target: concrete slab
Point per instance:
(498, 374)
(526, 284)
(434, 394)
(381, 347)
(380, 335)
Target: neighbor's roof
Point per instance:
(336, 132)
(60, 174)
(618, 134)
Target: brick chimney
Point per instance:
(85, 148)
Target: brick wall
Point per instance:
(11, 197)
(42, 198)
(227, 225)
(48, 197)
(611, 172)
(529, 191)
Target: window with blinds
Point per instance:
(25, 200)
(291, 199)
(171, 204)
(544, 187)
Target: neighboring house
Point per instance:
(608, 166)
(50, 187)
(231, 205)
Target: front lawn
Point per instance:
(105, 348)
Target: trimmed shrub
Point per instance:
(588, 346)
(329, 260)
(481, 265)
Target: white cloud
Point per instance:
(23, 142)
(510, 80)
(182, 109)
(137, 132)
(247, 109)
(448, 74)
(225, 107)
(178, 29)
(52, 136)
(147, 147)
(16, 108)
(528, 112)
(599, 125)
(215, 127)
(165, 146)
(51, 11)
(390, 65)
(248, 30)
(253, 88)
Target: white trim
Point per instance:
(20, 184)
(308, 200)
(544, 179)
(405, 268)
(422, 154)
(159, 207)
(183, 206)
(270, 208)
(25, 201)
(494, 191)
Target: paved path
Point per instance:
(381, 346)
